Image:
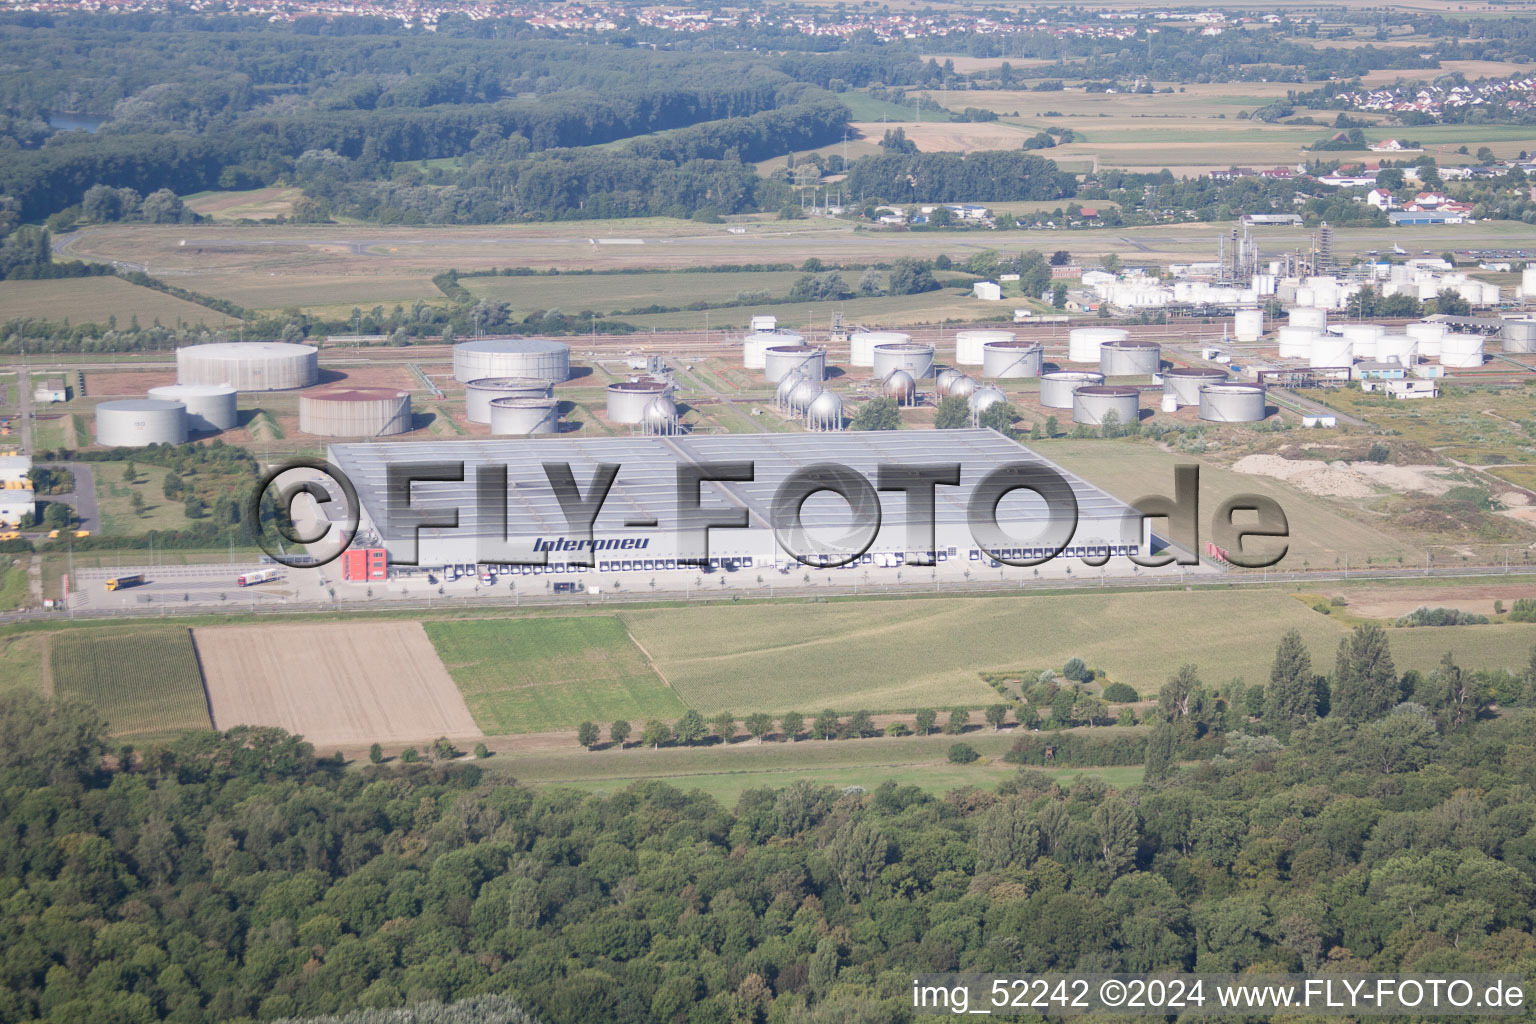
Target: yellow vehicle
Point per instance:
(53, 534)
(82, 533)
(123, 582)
(10, 536)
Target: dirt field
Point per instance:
(1395, 602)
(953, 136)
(334, 684)
(126, 383)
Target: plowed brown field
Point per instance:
(333, 684)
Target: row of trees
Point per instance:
(693, 729)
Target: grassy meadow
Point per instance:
(898, 655)
(528, 675)
(95, 299)
(725, 772)
(1323, 530)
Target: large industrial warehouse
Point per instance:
(644, 492)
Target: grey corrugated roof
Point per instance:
(646, 484)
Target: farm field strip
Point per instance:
(333, 683)
(530, 675)
(613, 292)
(888, 656)
(95, 299)
(144, 681)
(726, 772)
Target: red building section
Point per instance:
(363, 564)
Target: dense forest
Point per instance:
(1358, 820)
(222, 103)
(362, 112)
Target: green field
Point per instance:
(144, 680)
(1478, 425)
(94, 299)
(865, 107)
(528, 675)
(13, 582)
(251, 204)
(725, 772)
(1323, 530)
(114, 498)
(948, 303)
(22, 660)
(896, 655)
(606, 293)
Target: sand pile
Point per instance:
(1345, 479)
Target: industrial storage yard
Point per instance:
(1265, 378)
(376, 376)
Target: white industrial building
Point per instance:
(637, 529)
(17, 498)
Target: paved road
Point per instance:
(83, 497)
(24, 405)
(495, 597)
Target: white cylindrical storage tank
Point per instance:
(1083, 342)
(1296, 342)
(1528, 281)
(209, 406)
(1056, 388)
(1091, 403)
(1328, 350)
(1130, 358)
(1397, 347)
(825, 412)
(1428, 334)
(478, 393)
(355, 412)
(1362, 338)
(1248, 324)
(970, 346)
(1232, 403)
(755, 346)
(806, 360)
(1307, 316)
(627, 399)
(861, 345)
(1462, 350)
(136, 422)
(1003, 360)
(1183, 383)
(512, 357)
(249, 365)
(1170, 402)
(914, 358)
(525, 416)
(1519, 336)
(1306, 295)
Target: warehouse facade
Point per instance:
(649, 522)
